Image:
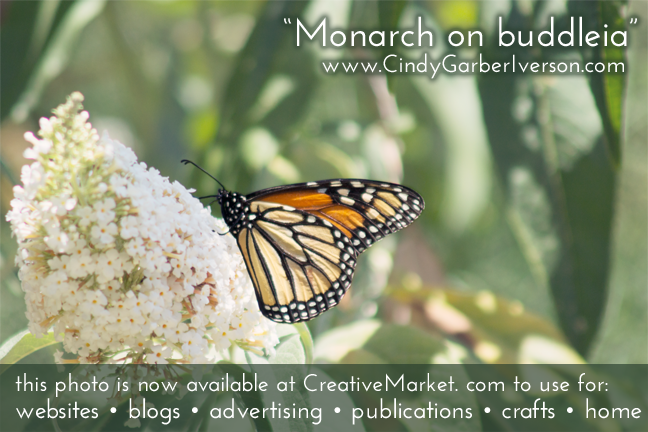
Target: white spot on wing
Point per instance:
(347, 201)
(311, 184)
(372, 213)
(402, 196)
(356, 184)
(344, 192)
(367, 197)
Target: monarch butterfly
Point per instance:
(301, 242)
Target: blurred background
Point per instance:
(532, 247)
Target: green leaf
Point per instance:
(389, 14)
(328, 401)
(269, 86)
(40, 37)
(246, 399)
(253, 69)
(290, 349)
(548, 142)
(453, 104)
(496, 330)
(272, 395)
(376, 342)
(26, 28)
(20, 346)
(608, 87)
(400, 344)
(457, 14)
(333, 345)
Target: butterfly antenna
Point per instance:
(186, 161)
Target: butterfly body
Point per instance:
(301, 242)
(233, 208)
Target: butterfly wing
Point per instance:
(300, 266)
(301, 242)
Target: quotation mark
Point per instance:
(634, 20)
(286, 20)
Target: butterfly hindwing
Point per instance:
(300, 265)
(301, 242)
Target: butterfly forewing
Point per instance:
(301, 242)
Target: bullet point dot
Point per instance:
(570, 410)
(113, 410)
(337, 410)
(194, 410)
(486, 410)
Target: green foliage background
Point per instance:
(532, 247)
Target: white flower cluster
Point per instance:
(123, 263)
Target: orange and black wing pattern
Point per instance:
(301, 242)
